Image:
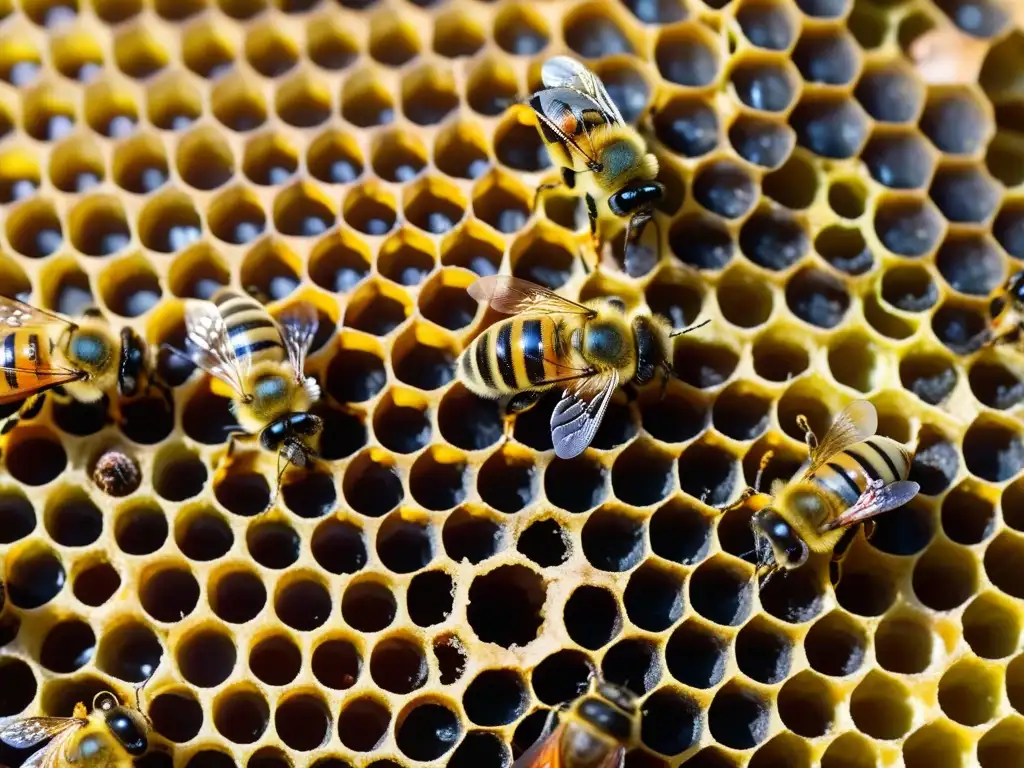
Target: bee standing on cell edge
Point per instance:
(596, 728)
(261, 360)
(849, 478)
(600, 154)
(41, 351)
(589, 349)
(1008, 312)
(108, 737)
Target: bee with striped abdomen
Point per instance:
(41, 351)
(259, 362)
(593, 734)
(108, 737)
(851, 476)
(1008, 312)
(588, 349)
(599, 153)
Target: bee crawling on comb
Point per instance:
(850, 477)
(588, 350)
(258, 361)
(1008, 313)
(595, 729)
(599, 153)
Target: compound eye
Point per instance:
(1016, 287)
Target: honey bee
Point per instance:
(599, 153)
(1008, 312)
(41, 351)
(108, 737)
(851, 476)
(593, 734)
(589, 349)
(260, 362)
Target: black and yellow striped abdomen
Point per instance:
(849, 473)
(515, 355)
(253, 332)
(28, 364)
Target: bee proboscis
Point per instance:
(1008, 312)
(41, 351)
(593, 734)
(851, 476)
(588, 349)
(260, 359)
(108, 737)
(599, 153)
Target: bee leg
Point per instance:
(809, 437)
(518, 403)
(592, 216)
(543, 188)
(765, 460)
(747, 494)
(29, 409)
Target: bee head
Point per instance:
(124, 723)
(776, 542)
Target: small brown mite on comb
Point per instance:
(116, 474)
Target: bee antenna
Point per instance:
(688, 330)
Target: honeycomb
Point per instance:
(430, 590)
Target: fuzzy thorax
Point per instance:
(273, 392)
(623, 156)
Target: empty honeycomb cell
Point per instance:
(207, 49)
(76, 165)
(880, 707)
(806, 706)
(49, 115)
(304, 604)
(767, 24)
(204, 159)
(207, 657)
(300, 211)
(20, 62)
(899, 160)
(738, 716)
(244, 493)
(962, 328)
(271, 159)
(370, 209)
(430, 598)
(139, 164)
(969, 692)
(178, 474)
(991, 627)
(945, 577)
(169, 593)
(68, 646)
(643, 475)
(368, 606)
(203, 534)
(653, 598)
(435, 206)
(521, 30)
(765, 84)
(427, 730)
(198, 272)
(935, 744)
(908, 227)
(688, 54)
(502, 202)
(34, 456)
(19, 685)
(131, 653)
(910, 288)
(130, 287)
(1002, 745)
(627, 87)
(721, 592)
(591, 617)
(176, 716)
(993, 449)
(995, 385)
(275, 660)
(845, 249)
(270, 51)
(755, 306)
(276, 545)
(632, 663)
(854, 362)
(210, 758)
(725, 188)
(964, 195)
(98, 226)
(831, 126)
(470, 537)
(237, 102)
(969, 513)
(428, 95)
(595, 30)
(138, 52)
(173, 104)
(241, 714)
(17, 516)
(794, 184)
(71, 518)
(404, 546)
(329, 44)
(495, 697)
(956, 122)
(818, 298)
(505, 605)
(169, 222)
(303, 722)
(891, 93)
(674, 416)
(34, 230)
(519, 145)
(423, 359)
(303, 100)
(687, 125)
(696, 656)
(95, 584)
(491, 88)
(237, 596)
(576, 484)
(761, 141)
(393, 41)
(773, 239)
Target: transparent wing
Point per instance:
(579, 413)
(545, 752)
(29, 731)
(513, 296)
(858, 421)
(18, 314)
(874, 501)
(209, 345)
(299, 323)
(567, 72)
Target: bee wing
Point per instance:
(18, 314)
(513, 296)
(567, 72)
(209, 344)
(299, 323)
(27, 732)
(874, 501)
(858, 421)
(579, 413)
(545, 752)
